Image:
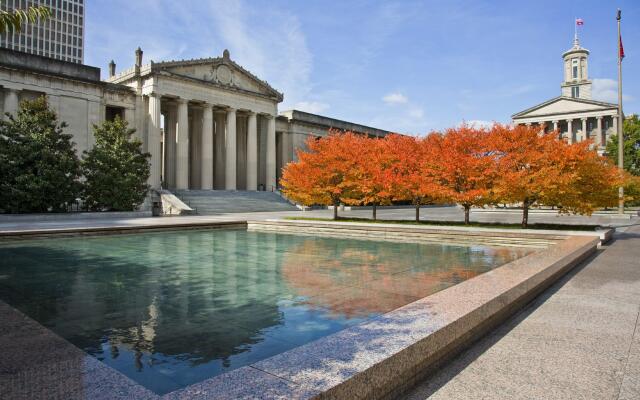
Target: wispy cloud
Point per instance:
(395, 98)
(606, 90)
(268, 42)
(314, 107)
(477, 123)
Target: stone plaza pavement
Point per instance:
(580, 339)
(28, 222)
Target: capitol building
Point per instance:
(574, 114)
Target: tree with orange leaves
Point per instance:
(466, 167)
(322, 173)
(527, 166)
(412, 174)
(542, 170)
(368, 178)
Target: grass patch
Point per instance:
(558, 227)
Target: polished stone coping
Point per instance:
(118, 229)
(378, 358)
(545, 235)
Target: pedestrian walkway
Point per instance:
(579, 340)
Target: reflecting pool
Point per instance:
(169, 309)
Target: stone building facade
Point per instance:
(207, 123)
(574, 114)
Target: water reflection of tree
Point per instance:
(373, 273)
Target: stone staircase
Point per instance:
(209, 202)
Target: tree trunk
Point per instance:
(525, 214)
(417, 212)
(374, 211)
(467, 209)
(335, 211)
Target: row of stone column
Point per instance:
(226, 147)
(600, 140)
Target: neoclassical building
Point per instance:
(207, 123)
(574, 114)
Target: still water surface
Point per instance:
(171, 309)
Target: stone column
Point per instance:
(170, 146)
(555, 126)
(182, 146)
(130, 117)
(271, 154)
(252, 152)
(599, 140)
(585, 135)
(153, 140)
(570, 130)
(11, 102)
(230, 153)
(206, 169)
(615, 125)
(220, 149)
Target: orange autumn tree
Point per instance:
(587, 180)
(541, 170)
(466, 167)
(412, 173)
(321, 174)
(527, 165)
(368, 177)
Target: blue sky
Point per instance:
(405, 66)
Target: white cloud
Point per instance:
(314, 107)
(395, 98)
(477, 123)
(606, 90)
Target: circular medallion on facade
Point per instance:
(224, 74)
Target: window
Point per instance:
(574, 68)
(112, 111)
(575, 92)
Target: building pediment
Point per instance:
(564, 105)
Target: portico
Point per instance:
(210, 124)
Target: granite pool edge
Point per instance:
(390, 229)
(383, 357)
(377, 359)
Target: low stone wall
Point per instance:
(426, 234)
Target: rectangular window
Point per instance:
(575, 91)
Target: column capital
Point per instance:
(584, 118)
(599, 117)
(554, 121)
(180, 100)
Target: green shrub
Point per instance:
(116, 169)
(39, 168)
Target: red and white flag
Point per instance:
(621, 49)
(579, 21)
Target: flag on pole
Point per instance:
(621, 50)
(579, 21)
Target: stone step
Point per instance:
(207, 202)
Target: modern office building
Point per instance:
(60, 37)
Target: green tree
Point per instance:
(13, 20)
(39, 168)
(631, 132)
(116, 169)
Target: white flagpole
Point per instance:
(620, 120)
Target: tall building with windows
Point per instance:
(60, 37)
